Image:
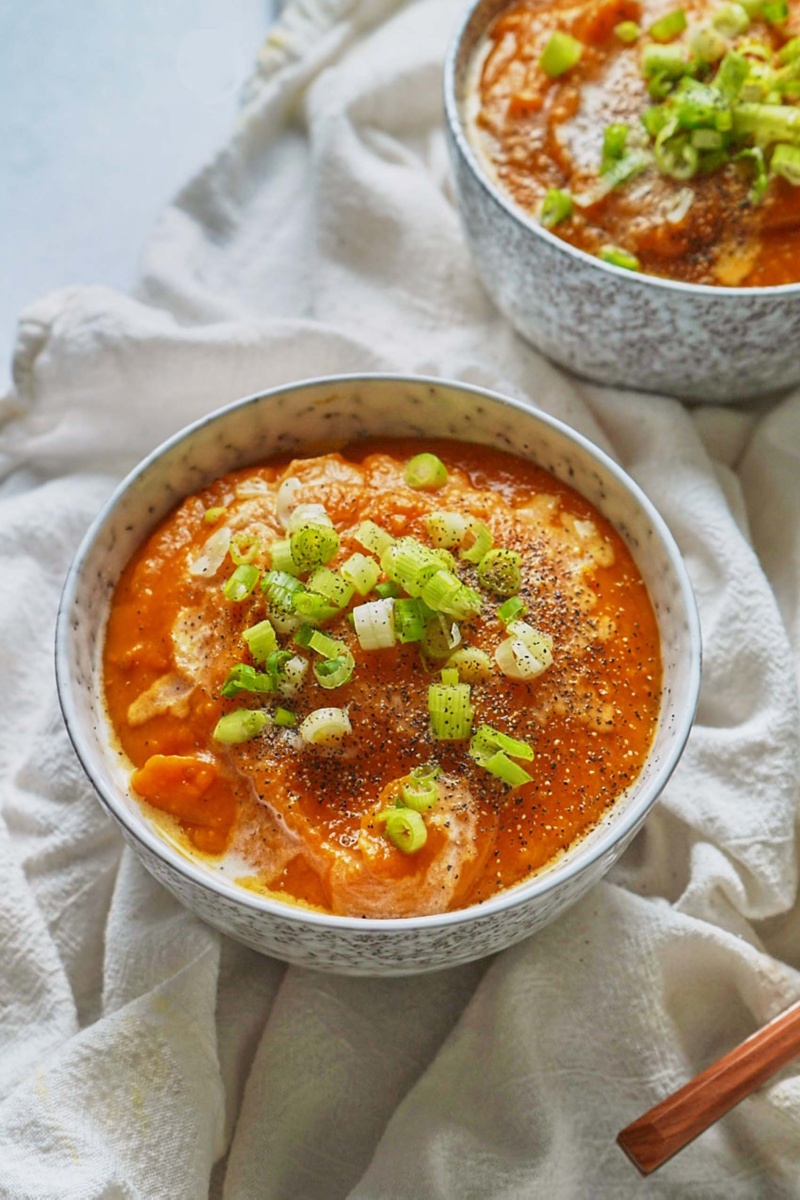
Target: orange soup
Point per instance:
(659, 138)
(385, 681)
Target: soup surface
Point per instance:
(663, 139)
(384, 681)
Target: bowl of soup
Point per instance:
(378, 674)
(628, 178)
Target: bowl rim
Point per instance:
(141, 830)
(456, 127)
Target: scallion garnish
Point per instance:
(361, 572)
(425, 471)
(450, 710)
(212, 515)
(557, 206)
(499, 571)
(446, 529)
(373, 537)
(284, 717)
(668, 27)
(333, 672)
(561, 53)
(332, 585)
(511, 609)
(239, 726)
(776, 11)
(525, 653)
(261, 640)
(477, 542)
(409, 623)
(627, 32)
(785, 162)
(325, 727)
(313, 607)
(420, 792)
(730, 19)
(374, 625)
(314, 544)
(281, 558)
(472, 664)
(620, 258)
(244, 678)
(404, 828)
(240, 584)
(244, 547)
(494, 752)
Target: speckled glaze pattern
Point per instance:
(311, 414)
(614, 326)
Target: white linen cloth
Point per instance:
(144, 1055)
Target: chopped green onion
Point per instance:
(361, 572)
(667, 61)
(450, 710)
(627, 32)
(314, 544)
(446, 528)
(212, 515)
(420, 794)
(729, 79)
(561, 53)
(332, 585)
(668, 27)
(244, 678)
(244, 547)
(284, 717)
(730, 20)
(372, 537)
(409, 624)
(787, 54)
(328, 647)
(615, 138)
(768, 122)
(441, 636)
(510, 609)
(279, 587)
(314, 607)
(241, 583)
(499, 571)
(557, 206)
(276, 665)
(405, 829)
(776, 11)
(473, 665)
(425, 471)
(280, 557)
(410, 564)
(705, 44)
(479, 540)
(325, 727)
(525, 653)
(619, 258)
(333, 672)
(388, 590)
(450, 675)
(374, 625)
(261, 640)
(292, 675)
(706, 139)
(785, 162)
(239, 726)
(494, 751)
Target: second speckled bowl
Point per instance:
(611, 325)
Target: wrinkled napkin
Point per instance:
(144, 1055)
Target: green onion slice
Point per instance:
(239, 726)
(409, 622)
(332, 585)
(281, 558)
(374, 625)
(627, 32)
(668, 27)
(478, 541)
(261, 640)
(785, 162)
(372, 537)
(511, 609)
(561, 53)
(244, 547)
(244, 678)
(472, 664)
(325, 727)
(450, 710)
(425, 471)
(419, 794)
(333, 672)
(620, 258)
(499, 571)
(212, 515)
(730, 19)
(405, 829)
(361, 573)
(314, 544)
(241, 583)
(284, 717)
(557, 206)
(446, 529)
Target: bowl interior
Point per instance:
(312, 416)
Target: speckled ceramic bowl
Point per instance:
(301, 416)
(611, 325)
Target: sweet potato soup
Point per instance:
(384, 681)
(659, 138)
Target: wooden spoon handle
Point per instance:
(676, 1121)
